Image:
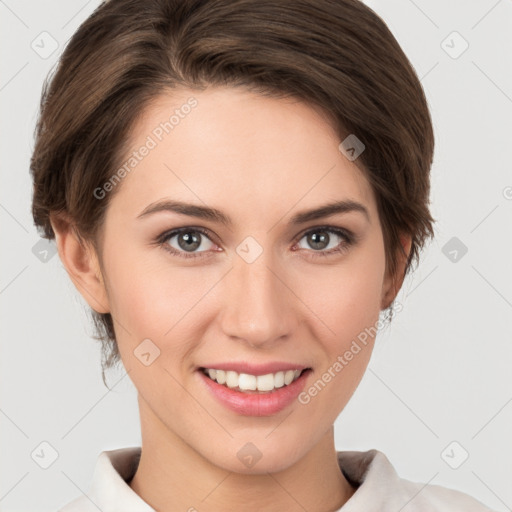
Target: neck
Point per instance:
(173, 476)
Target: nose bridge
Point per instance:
(258, 307)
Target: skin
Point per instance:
(260, 160)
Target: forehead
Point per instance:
(231, 148)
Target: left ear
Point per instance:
(393, 282)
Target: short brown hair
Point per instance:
(334, 54)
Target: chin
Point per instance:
(256, 457)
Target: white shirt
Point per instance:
(379, 488)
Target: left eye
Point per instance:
(320, 238)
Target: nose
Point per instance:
(259, 306)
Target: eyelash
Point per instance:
(341, 248)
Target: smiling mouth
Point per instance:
(247, 383)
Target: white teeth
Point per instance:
(279, 379)
(221, 376)
(231, 379)
(246, 382)
(288, 376)
(264, 382)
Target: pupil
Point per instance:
(317, 241)
(188, 241)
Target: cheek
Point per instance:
(347, 297)
(150, 297)
(141, 297)
(348, 302)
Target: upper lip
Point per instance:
(255, 369)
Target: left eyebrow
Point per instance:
(327, 210)
(212, 214)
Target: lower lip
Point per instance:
(256, 404)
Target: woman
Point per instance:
(238, 189)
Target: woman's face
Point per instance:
(260, 283)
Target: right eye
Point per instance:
(187, 241)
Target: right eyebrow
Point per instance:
(192, 210)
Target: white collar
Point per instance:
(379, 488)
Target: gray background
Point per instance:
(439, 374)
